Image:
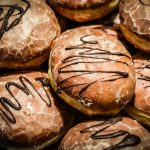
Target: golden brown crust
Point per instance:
(29, 112)
(138, 41)
(88, 11)
(86, 68)
(139, 108)
(135, 15)
(76, 139)
(29, 65)
(31, 36)
(77, 4)
(139, 115)
(142, 90)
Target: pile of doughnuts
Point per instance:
(75, 74)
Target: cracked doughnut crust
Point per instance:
(30, 115)
(135, 22)
(98, 135)
(140, 107)
(91, 70)
(27, 29)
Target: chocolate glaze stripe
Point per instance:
(98, 56)
(101, 51)
(5, 112)
(141, 76)
(73, 58)
(12, 8)
(147, 66)
(92, 49)
(104, 79)
(128, 140)
(145, 78)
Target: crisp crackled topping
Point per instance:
(135, 14)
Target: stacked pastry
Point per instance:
(90, 71)
(31, 116)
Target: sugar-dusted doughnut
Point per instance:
(139, 108)
(83, 10)
(30, 116)
(91, 70)
(27, 29)
(135, 22)
(107, 134)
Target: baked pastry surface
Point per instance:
(27, 29)
(114, 133)
(140, 107)
(30, 115)
(83, 10)
(91, 70)
(135, 22)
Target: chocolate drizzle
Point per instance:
(6, 26)
(143, 77)
(128, 140)
(105, 29)
(6, 112)
(97, 56)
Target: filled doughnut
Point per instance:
(111, 134)
(83, 10)
(91, 70)
(140, 107)
(135, 22)
(27, 29)
(30, 116)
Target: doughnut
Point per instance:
(135, 22)
(91, 70)
(27, 29)
(140, 107)
(83, 10)
(30, 116)
(107, 134)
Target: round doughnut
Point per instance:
(135, 22)
(83, 10)
(27, 29)
(30, 116)
(91, 70)
(111, 134)
(140, 107)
